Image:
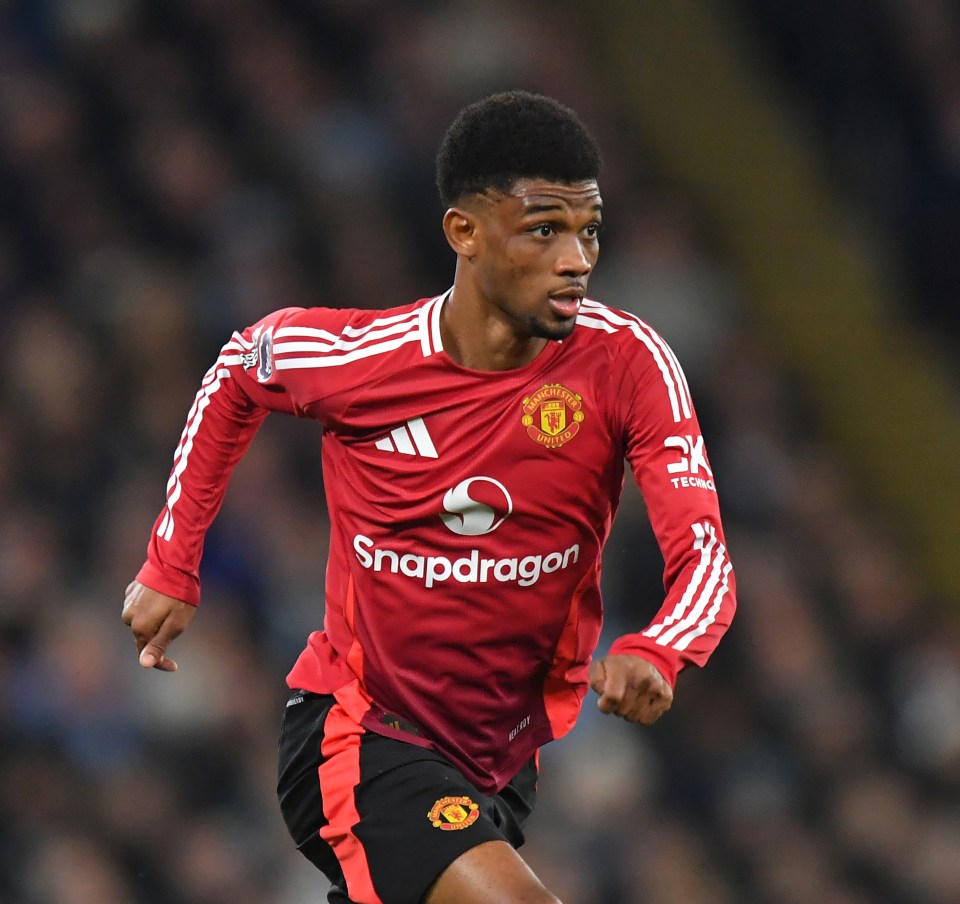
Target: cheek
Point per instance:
(515, 267)
(510, 268)
(520, 269)
(522, 263)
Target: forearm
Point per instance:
(700, 598)
(220, 426)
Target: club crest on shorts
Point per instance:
(552, 415)
(451, 813)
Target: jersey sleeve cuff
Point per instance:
(184, 587)
(637, 645)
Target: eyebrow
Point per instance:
(547, 208)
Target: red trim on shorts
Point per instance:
(339, 775)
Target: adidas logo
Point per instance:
(410, 438)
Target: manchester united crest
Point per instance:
(451, 813)
(552, 415)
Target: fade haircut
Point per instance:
(509, 136)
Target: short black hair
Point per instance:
(513, 135)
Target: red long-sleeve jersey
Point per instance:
(468, 510)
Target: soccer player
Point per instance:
(473, 455)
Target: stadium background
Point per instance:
(783, 191)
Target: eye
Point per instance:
(543, 230)
(593, 230)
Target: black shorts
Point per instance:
(382, 818)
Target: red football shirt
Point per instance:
(469, 510)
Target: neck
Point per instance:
(477, 335)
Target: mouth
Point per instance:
(566, 302)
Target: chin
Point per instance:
(555, 331)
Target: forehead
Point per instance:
(538, 195)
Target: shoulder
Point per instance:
(321, 337)
(323, 330)
(641, 354)
(632, 337)
(345, 320)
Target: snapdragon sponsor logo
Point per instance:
(473, 568)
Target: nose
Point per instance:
(574, 259)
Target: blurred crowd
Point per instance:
(879, 82)
(170, 172)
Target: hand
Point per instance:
(630, 687)
(155, 620)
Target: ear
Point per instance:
(460, 226)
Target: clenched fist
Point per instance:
(155, 619)
(630, 687)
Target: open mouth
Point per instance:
(566, 304)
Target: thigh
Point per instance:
(378, 816)
(490, 873)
